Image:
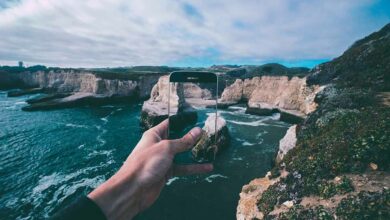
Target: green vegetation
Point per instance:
(366, 64)
(329, 189)
(269, 69)
(365, 205)
(349, 130)
(299, 212)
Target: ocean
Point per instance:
(49, 158)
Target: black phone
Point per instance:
(193, 101)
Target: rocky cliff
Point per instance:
(155, 109)
(79, 86)
(267, 94)
(336, 164)
(180, 96)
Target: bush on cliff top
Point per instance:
(365, 205)
(348, 143)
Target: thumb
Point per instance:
(187, 141)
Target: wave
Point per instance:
(211, 177)
(240, 140)
(237, 107)
(199, 107)
(64, 185)
(275, 116)
(103, 152)
(99, 137)
(252, 123)
(171, 180)
(76, 125)
(246, 143)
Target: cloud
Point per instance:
(102, 33)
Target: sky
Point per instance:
(111, 33)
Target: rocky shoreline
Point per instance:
(334, 164)
(329, 161)
(70, 88)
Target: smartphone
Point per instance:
(193, 101)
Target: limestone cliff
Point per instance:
(155, 109)
(268, 93)
(80, 86)
(339, 168)
(179, 95)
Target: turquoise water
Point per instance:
(48, 158)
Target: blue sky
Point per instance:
(108, 33)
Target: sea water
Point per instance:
(49, 158)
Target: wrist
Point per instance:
(118, 197)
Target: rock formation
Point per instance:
(267, 94)
(250, 194)
(182, 96)
(233, 93)
(287, 143)
(337, 168)
(81, 86)
(155, 109)
(209, 145)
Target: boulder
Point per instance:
(209, 144)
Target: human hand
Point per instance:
(138, 183)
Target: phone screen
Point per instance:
(193, 103)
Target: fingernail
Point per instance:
(196, 132)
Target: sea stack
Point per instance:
(208, 145)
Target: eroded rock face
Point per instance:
(267, 94)
(181, 96)
(232, 93)
(155, 109)
(250, 194)
(192, 90)
(83, 87)
(208, 145)
(287, 143)
(284, 93)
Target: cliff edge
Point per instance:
(339, 166)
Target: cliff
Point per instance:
(182, 96)
(338, 167)
(155, 109)
(74, 87)
(268, 94)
